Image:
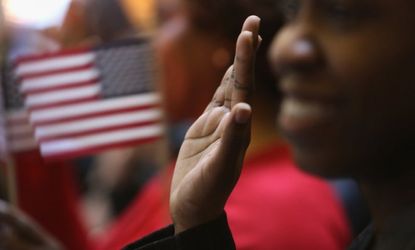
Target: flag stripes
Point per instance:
(53, 62)
(20, 134)
(83, 101)
(92, 109)
(59, 80)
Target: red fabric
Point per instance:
(147, 213)
(189, 68)
(48, 193)
(276, 206)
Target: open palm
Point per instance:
(211, 156)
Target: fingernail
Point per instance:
(242, 116)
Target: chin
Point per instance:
(321, 163)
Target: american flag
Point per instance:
(87, 100)
(3, 120)
(19, 132)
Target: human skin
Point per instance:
(345, 68)
(346, 72)
(211, 156)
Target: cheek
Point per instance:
(379, 87)
(370, 74)
(358, 78)
(353, 60)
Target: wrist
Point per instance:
(183, 223)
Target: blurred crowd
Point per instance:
(107, 200)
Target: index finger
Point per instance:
(243, 75)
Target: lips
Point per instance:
(297, 115)
(305, 109)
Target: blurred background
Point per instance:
(87, 191)
(169, 55)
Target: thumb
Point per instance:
(236, 137)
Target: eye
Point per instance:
(340, 11)
(344, 13)
(289, 9)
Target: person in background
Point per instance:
(270, 185)
(49, 192)
(269, 174)
(108, 21)
(180, 43)
(118, 174)
(39, 183)
(346, 71)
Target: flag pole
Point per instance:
(11, 182)
(9, 169)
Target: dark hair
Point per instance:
(225, 17)
(217, 16)
(107, 19)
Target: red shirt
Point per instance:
(48, 193)
(148, 212)
(276, 206)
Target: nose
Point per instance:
(295, 50)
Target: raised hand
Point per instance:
(17, 232)
(211, 156)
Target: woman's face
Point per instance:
(347, 71)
